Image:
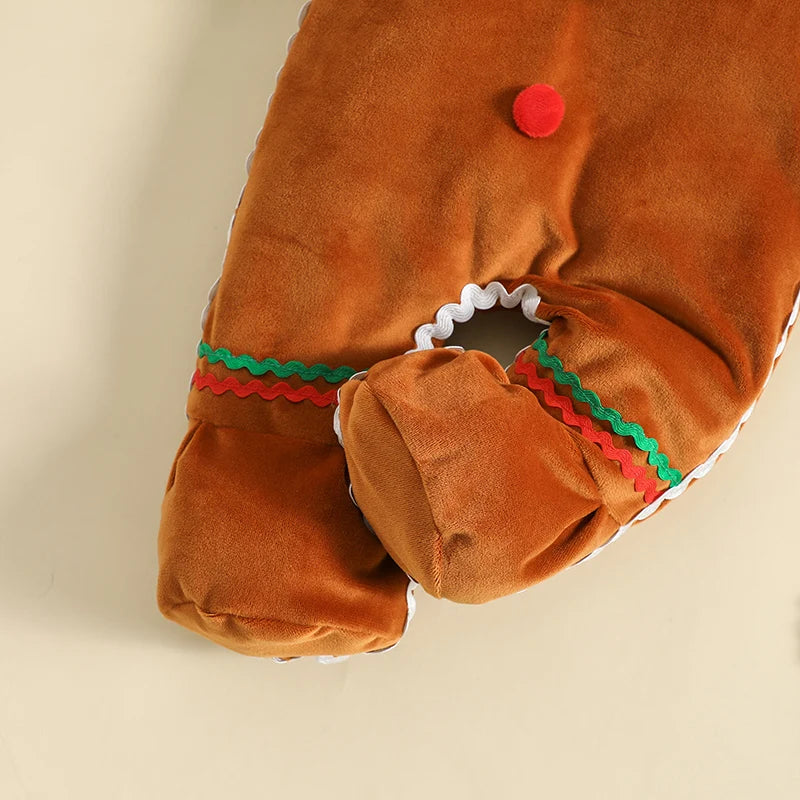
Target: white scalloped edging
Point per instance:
(703, 469)
(474, 297)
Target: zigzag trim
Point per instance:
(212, 292)
(701, 470)
(481, 298)
(642, 482)
(255, 367)
(599, 411)
(230, 384)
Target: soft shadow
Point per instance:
(500, 332)
(503, 102)
(86, 554)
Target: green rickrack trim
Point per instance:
(254, 367)
(599, 411)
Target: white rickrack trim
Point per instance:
(475, 297)
(703, 469)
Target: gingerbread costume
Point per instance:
(640, 204)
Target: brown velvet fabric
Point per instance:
(660, 224)
(263, 551)
(471, 485)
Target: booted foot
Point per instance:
(262, 550)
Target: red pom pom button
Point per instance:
(538, 110)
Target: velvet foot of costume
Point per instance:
(263, 551)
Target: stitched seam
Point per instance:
(261, 433)
(241, 617)
(187, 440)
(574, 438)
(438, 565)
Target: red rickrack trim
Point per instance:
(642, 482)
(209, 381)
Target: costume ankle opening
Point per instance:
(499, 335)
(499, 332)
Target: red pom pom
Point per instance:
(538, 110)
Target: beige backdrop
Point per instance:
(668, 667)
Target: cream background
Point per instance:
(668, 667)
